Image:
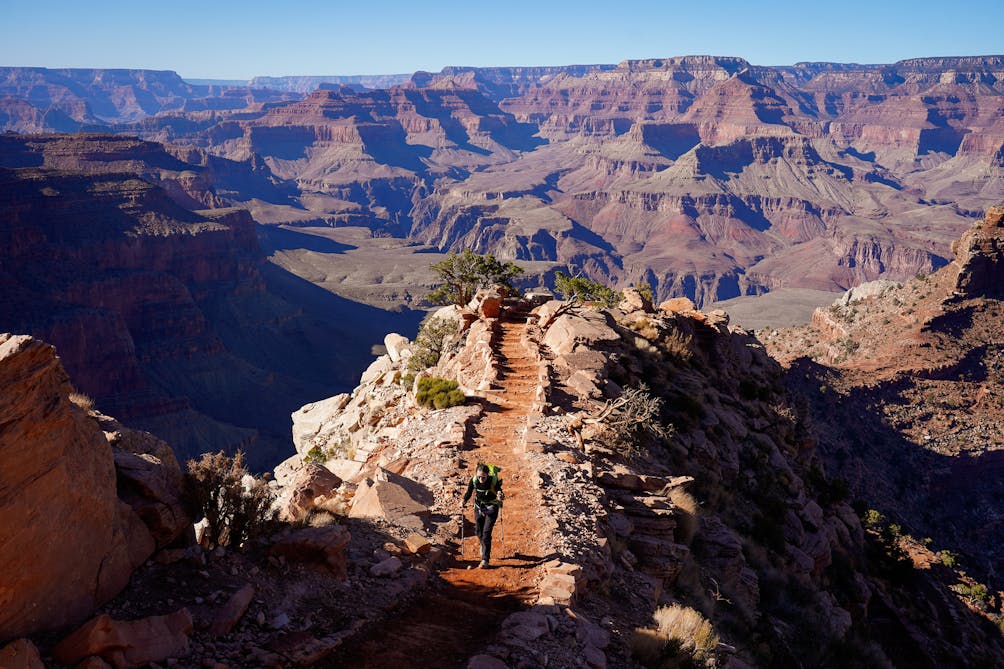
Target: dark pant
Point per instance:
(484, 520)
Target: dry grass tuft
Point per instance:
(687, 520)
(85, 402)
(682, 637)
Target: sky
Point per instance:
(222, 39)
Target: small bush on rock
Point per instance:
(431, 342)
(687, 519)
(682, 638)
(83, 401)
(585, 290)
(631, 420)
(439, 393)
(236, 505)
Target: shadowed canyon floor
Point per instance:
(462, 613)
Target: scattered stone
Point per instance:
(525, 626)
(20, 654)
(486, 662)
(228, 615)
(387, 567)
(303, 648)
(129, 644)
(319, 545)
(418, 544)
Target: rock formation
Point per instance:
(902, 384)
(979, 256)
(729, 510)
(66, 100)
(157, 296)
(70, 543)
(707, 177)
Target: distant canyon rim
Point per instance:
(703, 176)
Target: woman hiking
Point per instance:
(486, 487)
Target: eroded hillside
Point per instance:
(707, 177)
(904, 381)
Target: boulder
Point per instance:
(632, 300)
(226, 617)
(68, 543)
(20, 654)
(308, 419)
(396, 345)
(149, 480)
(394, 498)
(677, 305)
(128, 643)
(324, 546)
(300, 495)
(588, 330)
(547, 312)
(376, 370)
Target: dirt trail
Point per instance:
(462, 613)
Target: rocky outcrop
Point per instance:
(128, 644)
(896, 382)
(160, 311)
(979, 256)
(102, 96)
(70, 543)
(706, 176)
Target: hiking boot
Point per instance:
(483, 565)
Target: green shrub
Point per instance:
(440, 393)
(644, 289)
(948, 558)
(461, 274)
(431, 342)
(315, 455)
(975, 593)
(236, 505)
(585, 290)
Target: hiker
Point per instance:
(486, 487)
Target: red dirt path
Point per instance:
(462, 613)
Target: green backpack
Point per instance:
(493, 477)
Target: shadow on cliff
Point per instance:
(275, 238)
(949, 498)
(308, 344)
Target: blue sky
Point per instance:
(236, 40)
